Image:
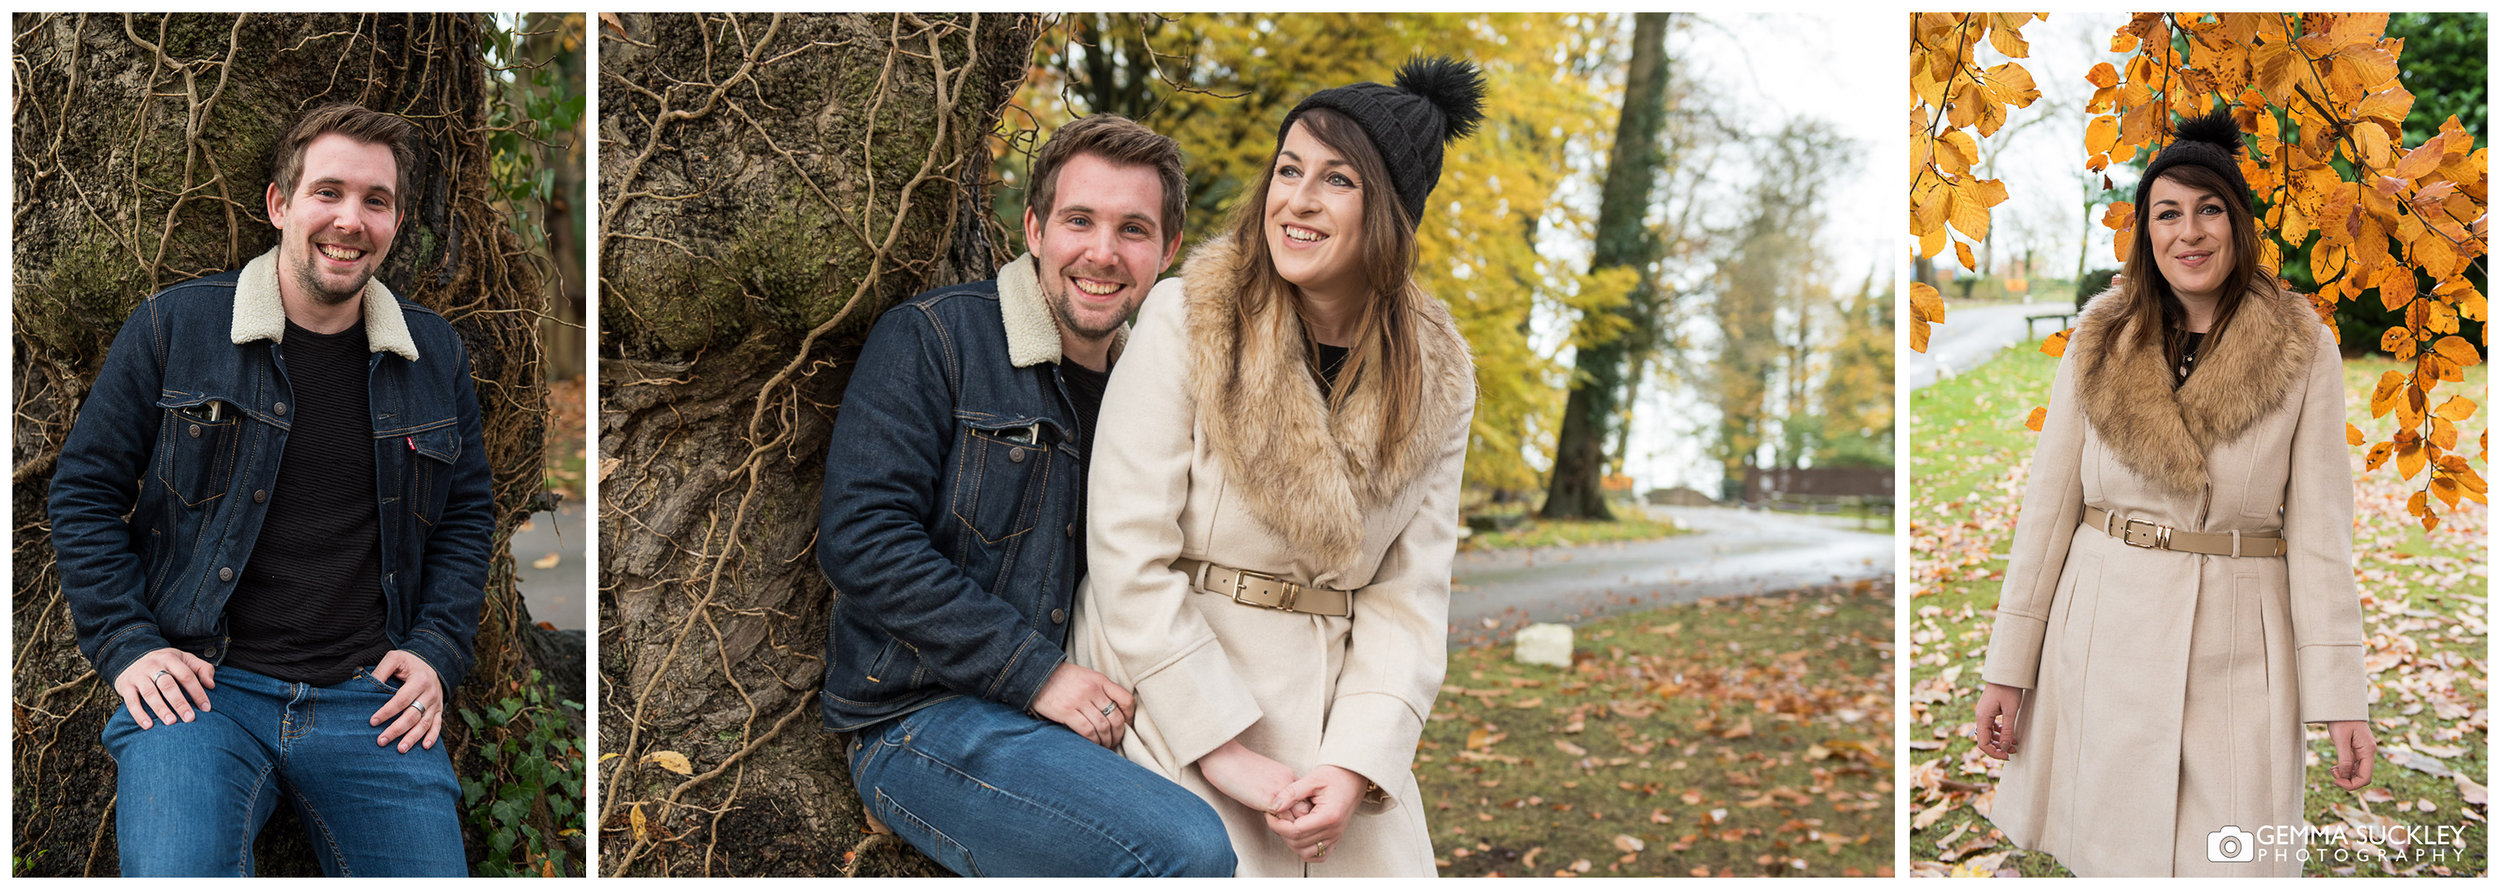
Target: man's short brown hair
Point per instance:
(355, 122)
(1120, 141)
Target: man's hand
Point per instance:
(1324, 799)
(2000, 720)
(416, 713)
(2355, 749)
(167, 681)
(1248, 777)
(1082, 699)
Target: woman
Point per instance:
(2180, 599)
(1274, 498)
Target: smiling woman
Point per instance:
(1269, 535)
(2180, 600)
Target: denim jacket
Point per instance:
(953, 505)
(165, 478)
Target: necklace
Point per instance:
(2187, 355)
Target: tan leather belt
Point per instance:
(1264, 590)
(2139, 533)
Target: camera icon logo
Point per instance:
(2230, 844)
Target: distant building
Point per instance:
(1817, 484)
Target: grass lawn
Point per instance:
(2423, 606)
(1742, 736)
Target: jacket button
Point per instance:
(1015, 455)
(195, 431)
(1058, 616)
(260, 496)
(278, 409)
(225, 574)
(1071, 529)
(208, 655)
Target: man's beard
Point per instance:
(1064, 306)
(310, 281)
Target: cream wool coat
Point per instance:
(2169, 689)
(1265, 480)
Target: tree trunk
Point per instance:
(769, 184)
(141, 146)
(1599, 368)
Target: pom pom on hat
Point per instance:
(1454, 87)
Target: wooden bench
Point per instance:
(2064, 320)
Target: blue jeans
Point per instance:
(988, 790)
(193, 795)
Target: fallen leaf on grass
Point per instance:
(1629, 844)
(2419, 763)
(1569, 748)
(1742, 730)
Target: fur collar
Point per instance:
(2163, 434)
(259, 314)
(1032, 330)
(1310, 476)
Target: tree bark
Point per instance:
(1600, 369)
(141, 155)
(769, 185)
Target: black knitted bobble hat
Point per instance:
(2211, 141)
(1437, 100)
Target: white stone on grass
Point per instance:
(1546, 644)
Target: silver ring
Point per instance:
(152, 677)
(420, 706)
(1106, 709)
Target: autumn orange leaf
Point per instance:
(1926, 308)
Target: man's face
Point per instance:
(337, 225)
(1101, 247)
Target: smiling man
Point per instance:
(952, 532)
(273, 518)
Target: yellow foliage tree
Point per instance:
(1952, 96)
(2319, 101)
(1219, 83)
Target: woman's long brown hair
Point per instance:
(1384, 352)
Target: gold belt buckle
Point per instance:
(1287, 591)
(2153, 536)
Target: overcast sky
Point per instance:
(1845, 68)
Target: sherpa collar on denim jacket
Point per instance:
(260, 314)
(1032, 331)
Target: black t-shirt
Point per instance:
(2187, 357)
(1331, 360)
(308, 608)
(1085, 389)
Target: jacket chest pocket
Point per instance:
(195, 448)
(1001, 470)
(431, 455)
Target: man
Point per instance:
(950, 530)
(273, 519)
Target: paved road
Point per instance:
(554, 593)
(1736, 553)
(1970, 337)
